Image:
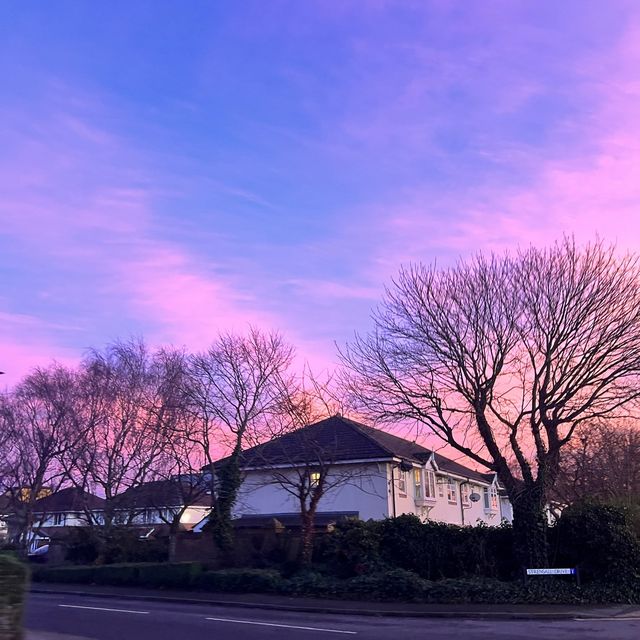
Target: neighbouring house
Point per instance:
(156, 504)
(70, 507)
(5, 517)
(55, 515)
(384, 476)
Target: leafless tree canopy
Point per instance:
(601, 463)
(503, 357)
(314, 471)
(39, 424)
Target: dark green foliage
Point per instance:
(80, 575)
(393, 585)
(311, 583)
(81, 546)
(240, 581)
(396, 584)
(176, 575)
(123, 545)
(179, 574)
(353, 548)
(13, 582)
(433, 550)
(404, 559)
(601, 541)
(116, 574)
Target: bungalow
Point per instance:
(369, 472)
(161, 502)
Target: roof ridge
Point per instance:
(361, 429)
(392, 435)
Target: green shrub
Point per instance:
(311, 583)
(354, 547)
(599, 539)
(396, 584)
(240, 581)
(179, 575)
(116, 575)
(13, 582)
(433, 550)
(80, 575)
(123, 545)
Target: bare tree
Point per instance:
(299, 459)
(176, 480)
(600, 463)
(503, 357)
(39, 421)
(232, 389)
(125, 436)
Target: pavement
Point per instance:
(345, 607)
(54, 615)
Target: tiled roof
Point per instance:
(321, 519)
(339, 439)
(68, 500)
(163, 493)
(451, 466)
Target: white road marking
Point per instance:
(284, 626)
(78, 606)
(620, 618)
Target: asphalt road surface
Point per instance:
(121, 619)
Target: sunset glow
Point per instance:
(175, 171)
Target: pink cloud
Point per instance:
(25, 343)
(83, 197)
(586, 189)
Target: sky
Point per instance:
(176, 169)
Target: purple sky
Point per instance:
(176, 168)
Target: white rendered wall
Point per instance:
(369, 493)
(366, 492)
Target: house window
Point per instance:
(417, 483)
(58, 519)
(452, 492)
(490, 495)
(314, 478)
(402, 483)
(441, 488)
(464, 493)
(430, 484)
(494, 498)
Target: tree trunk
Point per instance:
(173, 543)
(306, 533)
(530, 527)
(228, 486)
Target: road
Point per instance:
(121, 619)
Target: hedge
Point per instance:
(179, 575)
(394, 585)
(13, 582)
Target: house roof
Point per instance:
(339, 439)
(163, 493)
(292, 520)
(69, 499)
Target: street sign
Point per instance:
(551, 572)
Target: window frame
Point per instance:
(314, 479)
(452, 491)
(430, 484)
(402, 483)
(418, 484)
